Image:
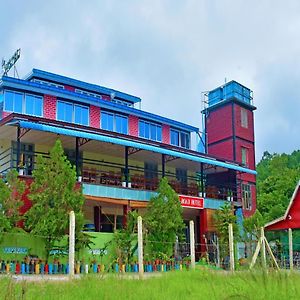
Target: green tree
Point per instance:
(222, 218)
(54, 194)
(124, 242)
(163, 221)
(11, 191)
(277, 176)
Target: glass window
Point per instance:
(244, 156)
(81, 115)
(174, 137)
(180, 138)
(121, 124)
(246, 196)
(244, 118)
(33, 105)
(13, 102)
(64, 111)
(150, 130)
(107, 121)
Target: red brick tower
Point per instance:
(230, 135)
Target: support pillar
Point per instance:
(140, 247)
(77, 156)
(202, 180)
(71, 244)
(163, 166)
(125, 213)
(291, 249)
(192, 244)
(126, 171)
(97, 212)
(18, 147)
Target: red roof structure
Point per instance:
(291, 218)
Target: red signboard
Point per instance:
(191, 202)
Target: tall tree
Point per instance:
(276, 180)
(11, 191)
(54, 194)
(222, 218)
(163, 221)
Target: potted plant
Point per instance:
(79, 175)
(229, 195)
(123, 180)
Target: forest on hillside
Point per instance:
(277, 176)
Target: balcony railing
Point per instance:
(113, 174)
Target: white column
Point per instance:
(71, 243)
(140, 247)
(192, 244)
(291, 248)
(263, 249)
(231, 247)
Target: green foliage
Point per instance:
(11, 191)
(222, 218)
(124, 241)
(54, 194)
(277, 176)
(252, 226)
(163, 221)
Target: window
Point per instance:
(59, 86)
(81, 115)
(114, 122)
(150, 131)
(13, 102)
(244, 156)
(90, 94)
(244, 118)
(26, 158)
(33, 105)
(23, 103)
(180, 138)
(246, 196)
(72, 113)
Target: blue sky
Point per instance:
(168, 52)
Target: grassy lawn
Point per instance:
(174, 285)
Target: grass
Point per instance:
(201, 284)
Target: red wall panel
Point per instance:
(219, 124)
(133, 125)
(240, 131)
(222, 150)
(95, 116)
(50, 107)
(166, 134)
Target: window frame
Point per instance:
(73, 104)
(114, 121)
(244, 118)
(245, 154)
(180, 142)
(42, 107)
(246, 196)
(148, 125)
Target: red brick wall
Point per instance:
(133, 125)
(222, 150)
(218, 124)
(95, 116)
(166, 134)
(69, 88)
(50, 107)
(246, 133)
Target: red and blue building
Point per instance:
(121, 152)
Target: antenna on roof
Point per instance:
(6, 66)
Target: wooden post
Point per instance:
(140, 247)
(263, 248)
(71, 244)
(192, 244)
(291, 248)
(231, 247)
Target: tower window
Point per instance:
(244, 118)
(245, 156)
(246, 196)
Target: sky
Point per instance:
(169, 52)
